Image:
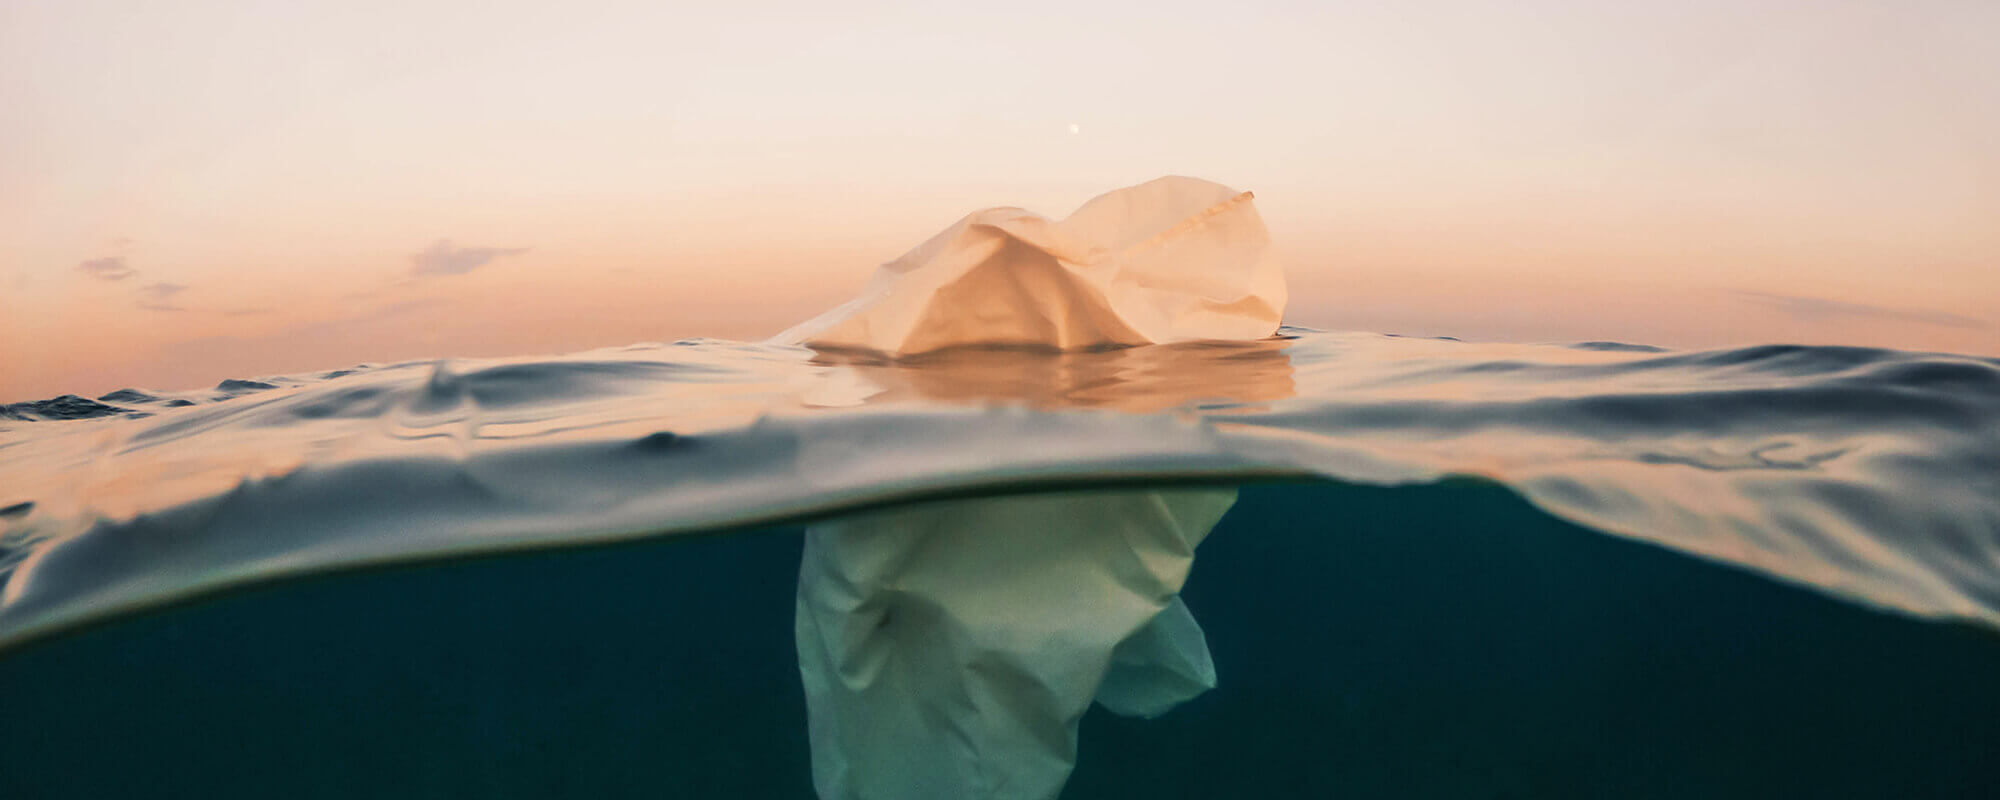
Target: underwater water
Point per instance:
(1318, 565)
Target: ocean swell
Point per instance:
(1872, 474)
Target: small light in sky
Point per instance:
(1075, 128)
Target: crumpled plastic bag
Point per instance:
(1174, 259)
(950, 649)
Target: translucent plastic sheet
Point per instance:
(950, 649)
(1170, 260)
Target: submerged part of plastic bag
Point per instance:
(950, 649)
(1174, 259)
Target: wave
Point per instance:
(1870, 474)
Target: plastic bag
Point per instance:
(1174, 259)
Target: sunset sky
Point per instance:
(192, 191)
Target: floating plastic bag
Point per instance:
(950, 649)
(1174, 259)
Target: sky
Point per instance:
(194, 191)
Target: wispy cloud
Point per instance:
(161, 290)
(442, 258)
(157, 296)
(1818, 309)
(109, 268)
(166, 296)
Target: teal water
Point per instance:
(1435, 641)
(1319, 565)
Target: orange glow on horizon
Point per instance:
(280, 190)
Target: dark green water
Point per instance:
(1439, 641)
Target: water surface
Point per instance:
(1322, 563)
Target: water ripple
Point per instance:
(1870, 474)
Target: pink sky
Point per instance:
(194, 191)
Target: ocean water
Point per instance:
(1412, 568)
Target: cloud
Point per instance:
(109, 268)
(153, 296)
(1819, 309)
(441, 258)
(161, 290)
(159, 296)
